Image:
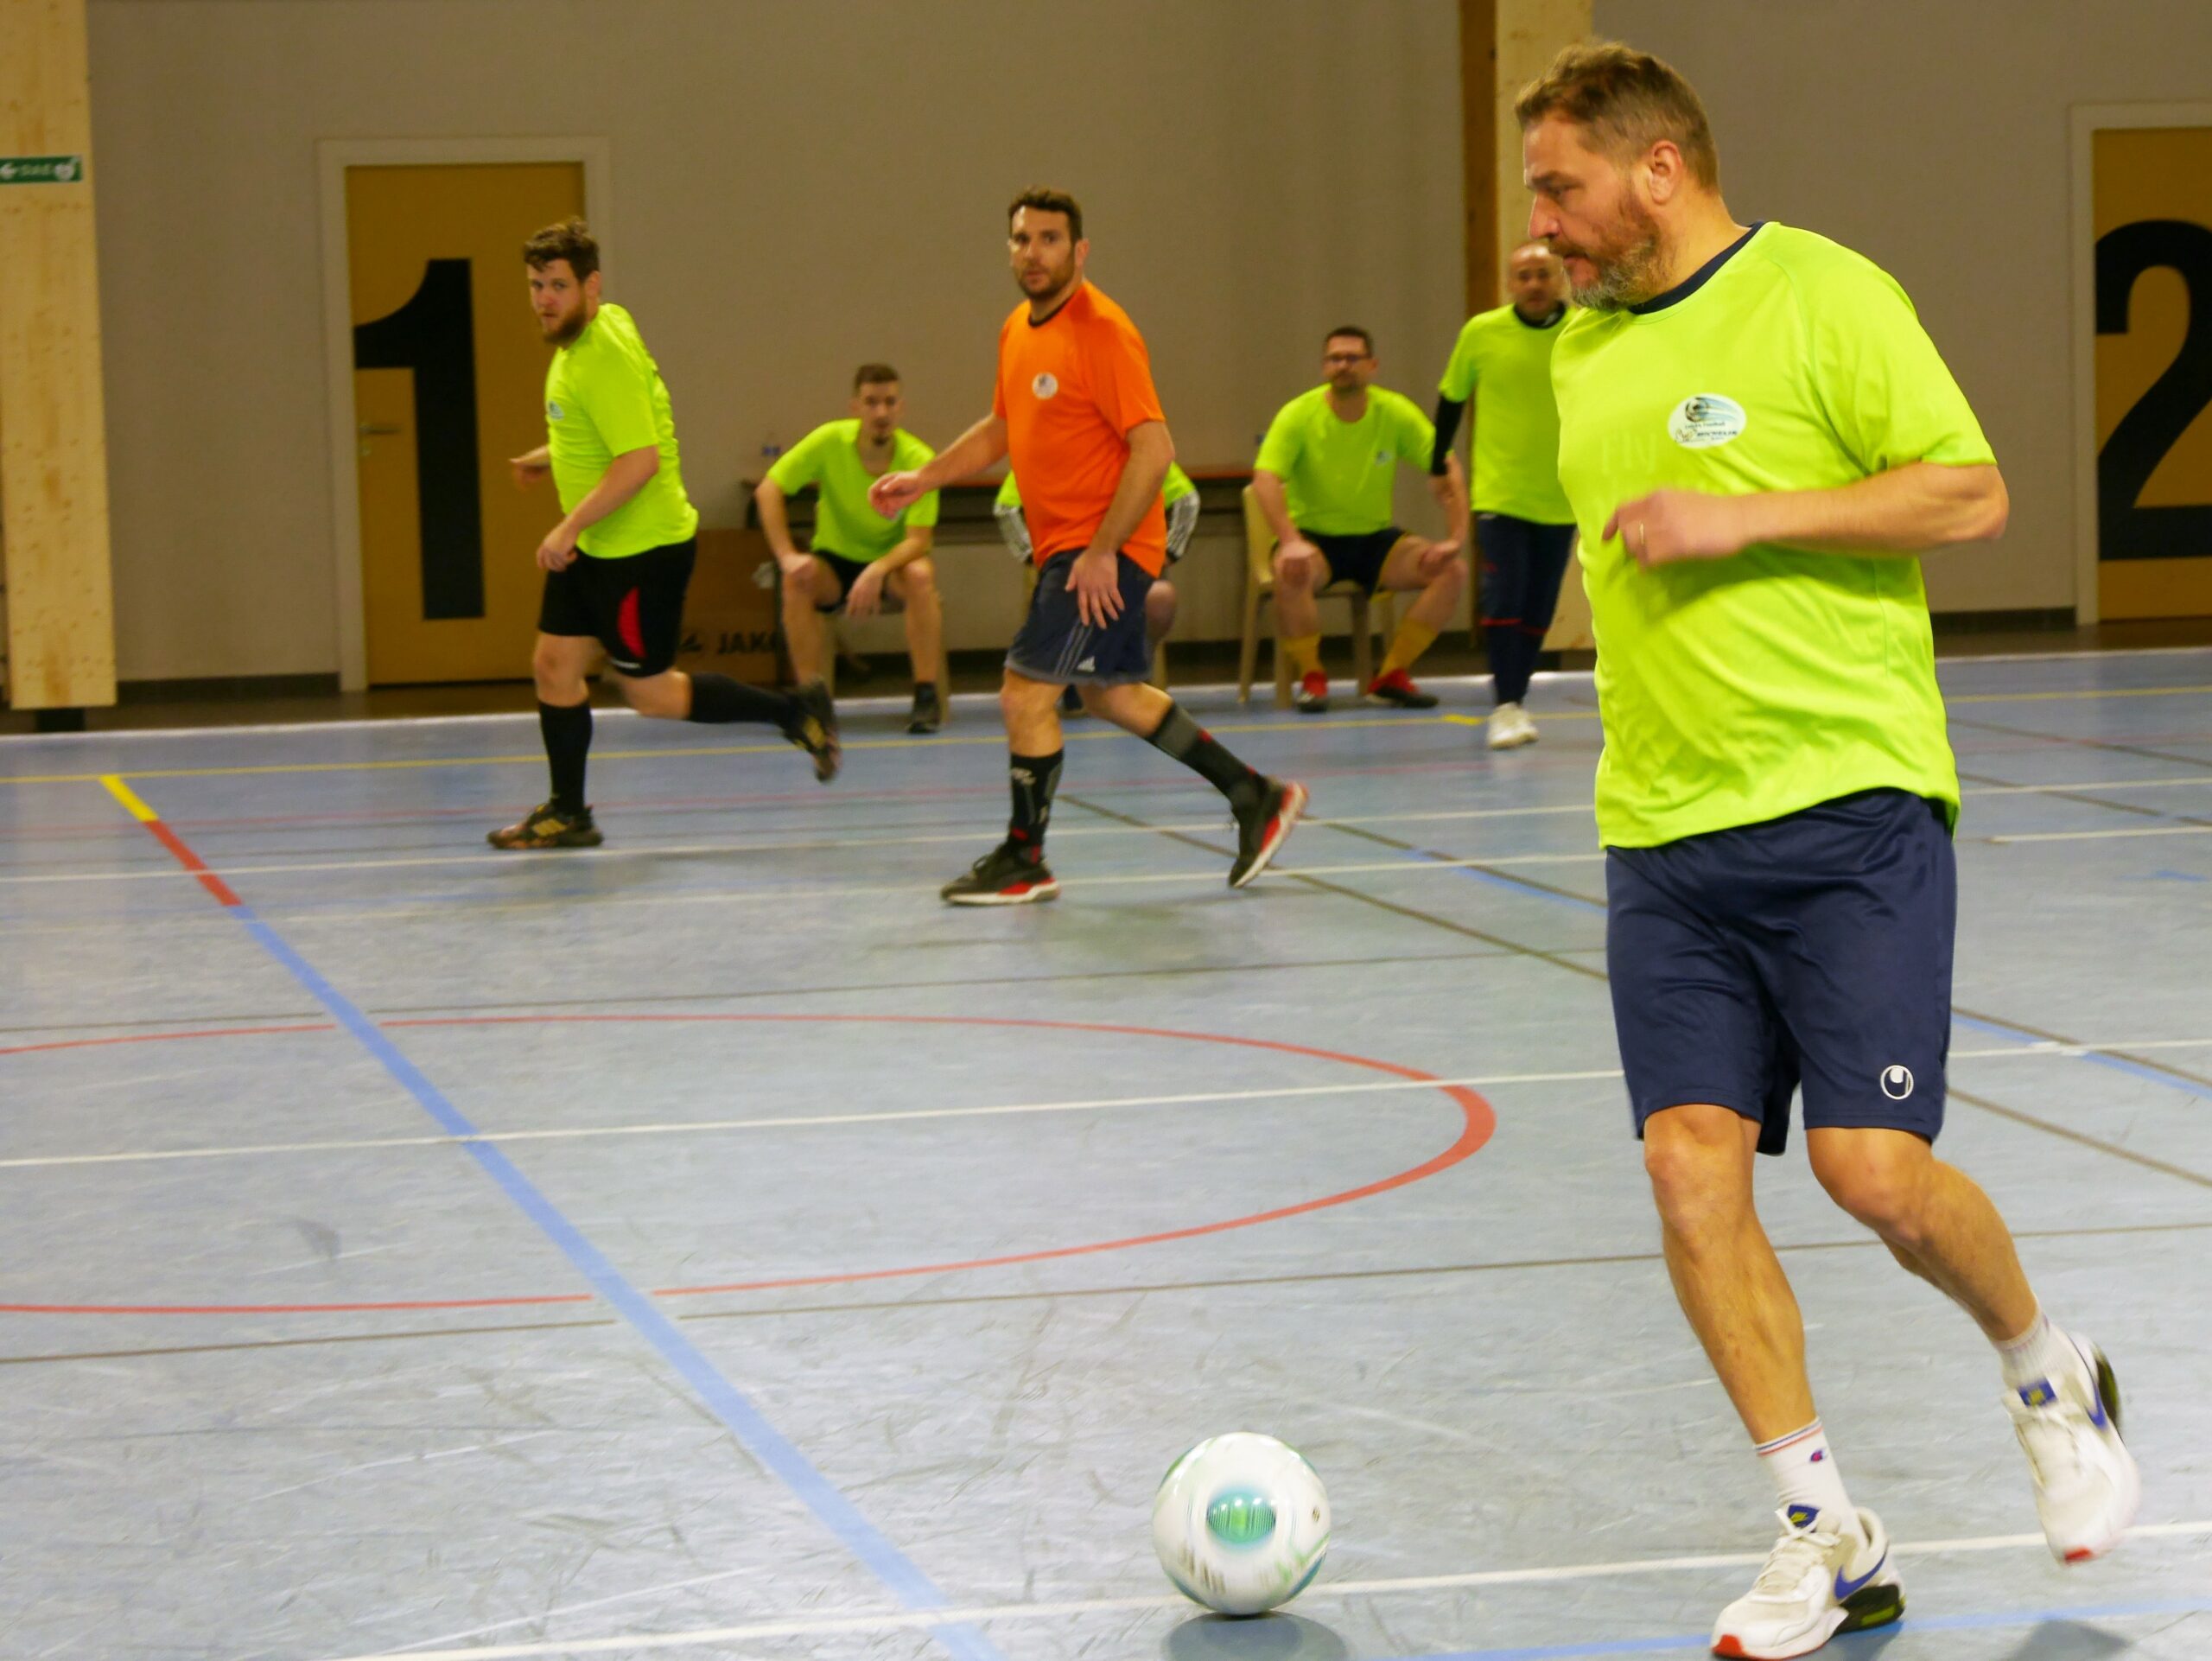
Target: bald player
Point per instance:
(1523, 528)
(1075, 409)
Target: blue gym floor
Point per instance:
(713, 1246)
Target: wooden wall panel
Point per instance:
(53, 516)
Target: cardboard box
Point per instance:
(730, 621)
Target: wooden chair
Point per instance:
(1260, 582)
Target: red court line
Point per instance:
(192, 862)
(289, 1308)
(1478, 1120)
(163, 1038)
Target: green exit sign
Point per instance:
(42, 170)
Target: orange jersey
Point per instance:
(1070, 390)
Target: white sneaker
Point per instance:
(1510, 728)
(1820, 1579)
(2087, 1486)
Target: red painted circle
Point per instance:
(1477, 1122)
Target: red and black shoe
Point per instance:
(1264, 827)
(1008, 875)
(1311, 696)
(1397, 689)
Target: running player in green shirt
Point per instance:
(1757, 438)
(859, 557)
(1523, 528)
(617, 565)
(1323, 482)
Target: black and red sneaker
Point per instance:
(1008, 875)
(1265, 826)
(1311, 696)
(1397, 689)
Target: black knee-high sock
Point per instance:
(1179, 737)
(566, 728)
(1504, 641)
(717, 700)
(1034, 778)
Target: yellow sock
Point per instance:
(1304, 651)
(1411, 640)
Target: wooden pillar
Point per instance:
(1504, 45)
(1481, 161)
(54, 520)
(1529, 35)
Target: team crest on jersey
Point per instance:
(1045, 384)
(553, 411)
(1704, 420)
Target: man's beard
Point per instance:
(1630, 275)
(565, 332)
(1061, 281)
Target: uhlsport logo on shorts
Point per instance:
(1704, 420)
(1045, 384)
(1897, 1081)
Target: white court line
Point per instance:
(2106, 835)
(586, 856)
(169, 870)
(2046, 1050)
(910, 1621)
(799, 1122)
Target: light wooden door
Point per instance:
(448, 382)
(2152, 219)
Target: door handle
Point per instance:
(377, 429)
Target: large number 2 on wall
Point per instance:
(2145, 433)
(435, 335)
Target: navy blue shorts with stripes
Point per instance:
(1054, 644)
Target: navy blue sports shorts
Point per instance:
(1812, 950)
(1055, 644)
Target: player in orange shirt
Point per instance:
(1076, 409)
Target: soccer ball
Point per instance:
(1241, 1523)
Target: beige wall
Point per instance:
(798, 186)
(1933, 137)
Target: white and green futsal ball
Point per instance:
(1241, 1523)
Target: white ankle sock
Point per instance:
(1807, 1479)
(2041, 1354)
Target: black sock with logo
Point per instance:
(1179, 737)
(1033, 777)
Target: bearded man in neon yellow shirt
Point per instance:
(1758, 439)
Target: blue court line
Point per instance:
(1499, 880)
(754, 1434)
(2118, 1063)
(1846, 1646)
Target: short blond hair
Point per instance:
(1629, 101)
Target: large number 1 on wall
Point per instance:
(435, 335)
(2146, 432)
